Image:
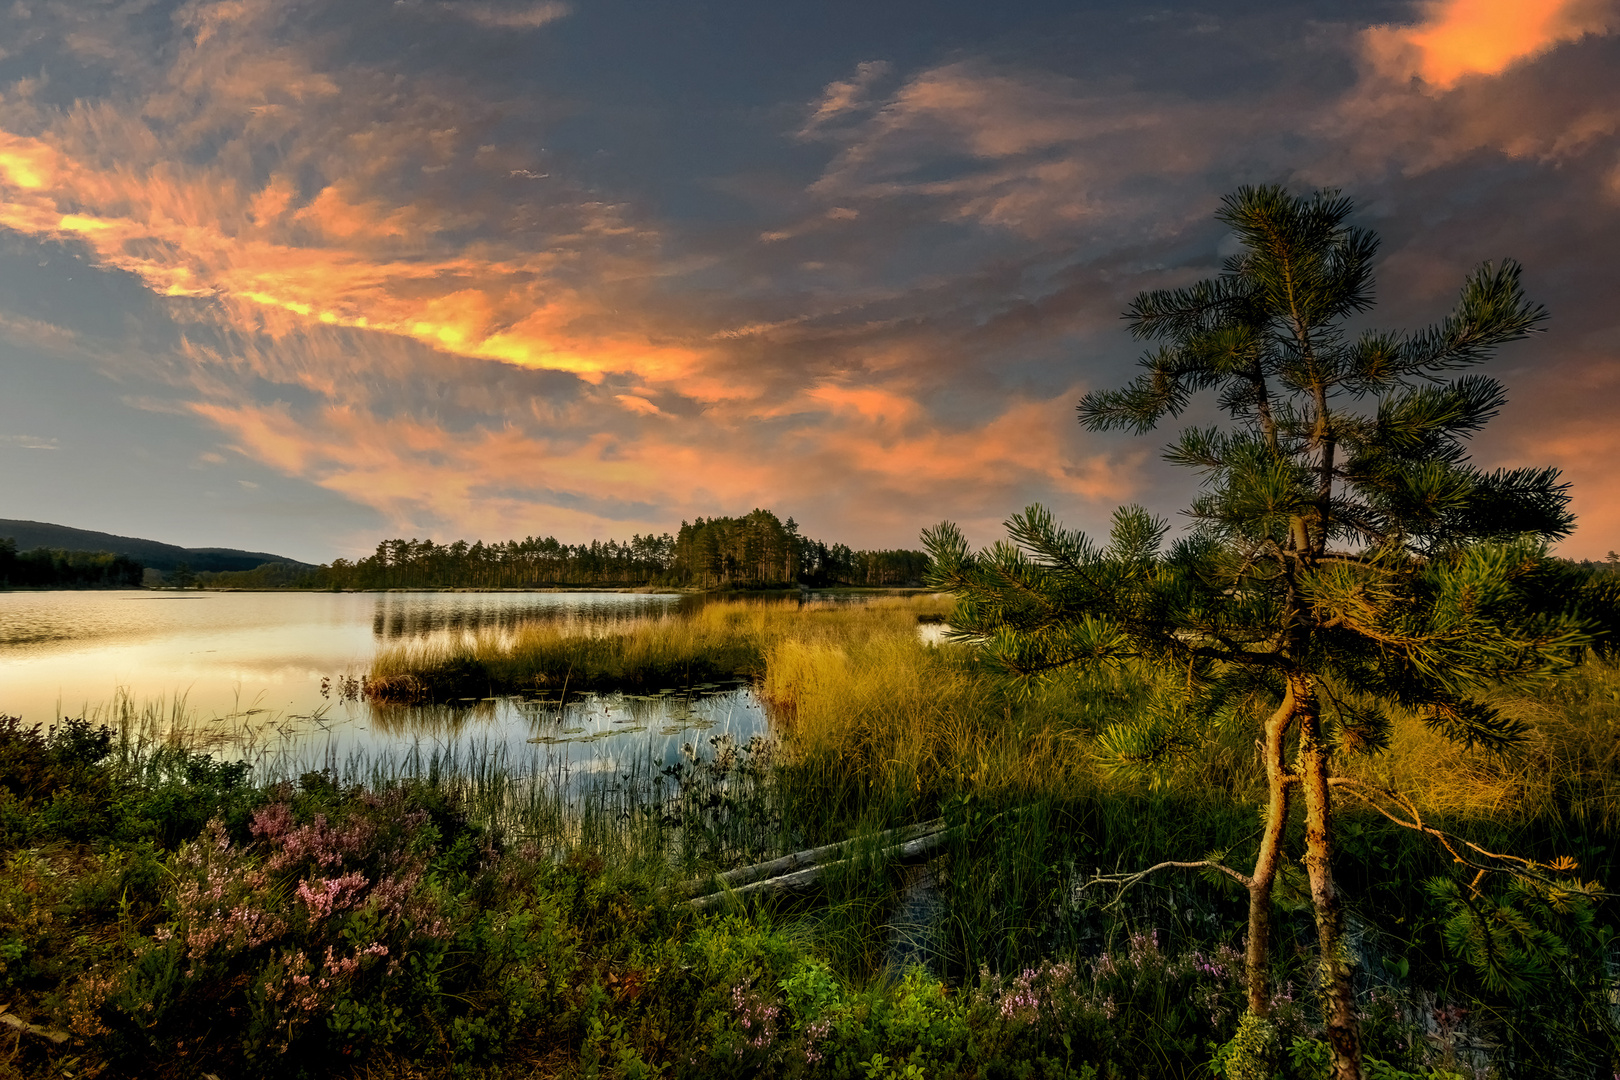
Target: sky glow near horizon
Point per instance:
(295, 276)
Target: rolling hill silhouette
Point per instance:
(152, 553)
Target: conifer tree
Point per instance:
(1344, 556)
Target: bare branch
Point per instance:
(1354, 787)
(1127, 881)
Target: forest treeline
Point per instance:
(51, 568)
(757, 550)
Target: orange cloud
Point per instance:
(1458, 38)
(1582, 451)
(161, 184)
(871, 403)
(493, 305)
(1028, 442)
(491, 480)
(638, 404)
(373, 310)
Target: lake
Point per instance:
(255, 675)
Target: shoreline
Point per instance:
(643, 590)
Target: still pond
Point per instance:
(259, 674)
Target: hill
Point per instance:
(152, 553)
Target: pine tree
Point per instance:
(1344, 557)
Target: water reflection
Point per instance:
(73, 653)
(419, 615)
(587, 745)
(243, 674)
(661, 721)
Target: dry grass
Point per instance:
(1566, 770)
(896, 713)
(868, 707)
(864, 701)
(723, 640)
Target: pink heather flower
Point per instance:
(272, 822)
(328, 894)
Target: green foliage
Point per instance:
(1361, 546)
(560, 954)
(270, 575)
(1312, 1059)
(1254, 1053)
(1518, 939)
(1346, 561)
(757, 550)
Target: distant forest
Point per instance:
(1609, 565)
(758, 550)
(51, 568)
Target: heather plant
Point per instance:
(286, 935)
(1137, 1004)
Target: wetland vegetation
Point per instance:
(454, 914)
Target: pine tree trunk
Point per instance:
(1339, 1005)
(1257, 957)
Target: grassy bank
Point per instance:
(882, 729)
(456, 913)
(161, 915)
(886, 729)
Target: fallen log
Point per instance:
(19, 1024)
(909, 851)
(731, 879)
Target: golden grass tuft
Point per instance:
(1567, 769)
(722, 640)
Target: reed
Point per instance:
(721, 641)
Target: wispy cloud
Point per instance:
(1028, 150)
(509, 17)
(28, 442)
(340, 231)
(1530, 81)
(844, 96)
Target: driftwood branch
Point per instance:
(743, 875)
(23, 1026)
(917, 848)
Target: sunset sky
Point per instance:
(296, 276)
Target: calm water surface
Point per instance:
(252, 667)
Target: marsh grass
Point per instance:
(879, 728)
(882, 729)
(723, 640)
